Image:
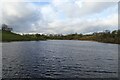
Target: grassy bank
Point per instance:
(101, 38)
(10, 36)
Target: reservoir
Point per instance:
(59, 59)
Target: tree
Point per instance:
(6, 28)
(37, 35)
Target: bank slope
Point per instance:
(10, 36)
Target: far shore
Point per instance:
(56, 40)
(104, 37)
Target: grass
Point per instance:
(6, 36)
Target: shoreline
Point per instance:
(56, 40)
(7, 36)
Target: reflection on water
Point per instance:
(59, 59)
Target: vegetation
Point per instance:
(7, 35)
(105, 36)
(10, 36)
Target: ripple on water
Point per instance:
(52, 59)
(100, 71)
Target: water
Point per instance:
(59, 59)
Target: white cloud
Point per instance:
(20, 15)
(48, 13)
(85, 26)
(68, 16)
(79, 8)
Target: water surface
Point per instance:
(59, 59)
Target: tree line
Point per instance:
(105, 36)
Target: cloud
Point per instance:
(21, 16)
(79, 8)
(68, 16)
(48, 13)
(85, 26)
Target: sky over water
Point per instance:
(60, 16)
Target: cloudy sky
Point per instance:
(60, 16)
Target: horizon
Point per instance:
(63, 34)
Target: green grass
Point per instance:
(10, 36)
